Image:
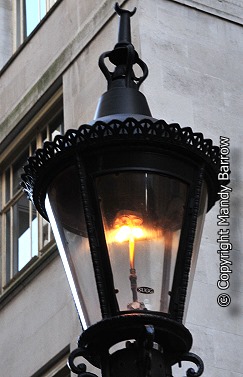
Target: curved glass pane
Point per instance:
(142, 215)
(65, 211)
(197, 240)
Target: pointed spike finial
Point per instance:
(120, 11)
(124, 34)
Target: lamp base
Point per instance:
(152, 345)
(138, 359)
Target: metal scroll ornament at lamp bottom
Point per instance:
(139, 358)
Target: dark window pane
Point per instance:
(7, 185)
(47, 234)
(56, 127)
(33, 147)
(18, 170)
(8, 246)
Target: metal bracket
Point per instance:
(192, 357)
(79, 369)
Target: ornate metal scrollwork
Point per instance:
(192, 357)
(124, 55)
(79, 369)
(146, 130)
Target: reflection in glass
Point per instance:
(8, 245)
(65, 211)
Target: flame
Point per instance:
(127, 227)
(126, 233)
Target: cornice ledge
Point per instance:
(216, 8)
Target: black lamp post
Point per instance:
(126, 197)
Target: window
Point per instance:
(56, 367)
(25, 234)
(35, 10)
(28, 15)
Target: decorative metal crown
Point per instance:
(147, 131)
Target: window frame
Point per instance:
(50, 112)
(20, 21)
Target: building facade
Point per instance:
(50, 82)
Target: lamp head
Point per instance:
(126, 197)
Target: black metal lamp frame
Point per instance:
(150, 146)
(130, 143)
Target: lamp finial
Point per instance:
(124, 34)
(123, 57)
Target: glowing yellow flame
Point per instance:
(125, 233)
(127, 228)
